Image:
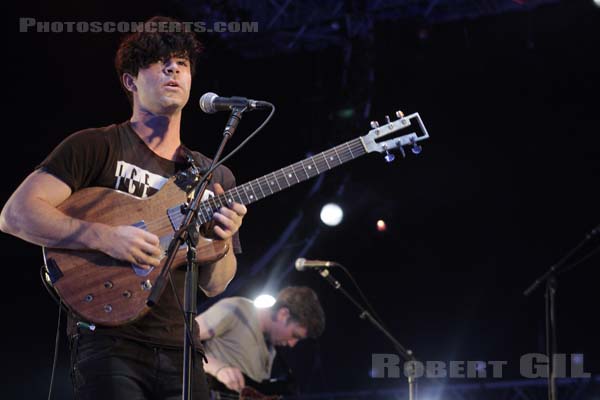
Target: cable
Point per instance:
(56, 346)
(362, 295)
(232, 152)
(581, 260)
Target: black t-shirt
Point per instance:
(116, 157)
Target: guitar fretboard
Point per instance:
(277, 181)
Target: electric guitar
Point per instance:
(265, 390)
(110, 292)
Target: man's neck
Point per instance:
(161, 133)
(264, 319)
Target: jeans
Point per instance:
(108, 367)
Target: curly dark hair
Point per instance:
(304, 307)
(140, 49)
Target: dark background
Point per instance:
(507, 184)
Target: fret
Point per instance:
(248, 188)
(221, 200)
(274, 179)
(315, 164)
(291, 175)
(338, 156)
(267, 184)
(237, 196)
(212, 206)
(260, 187)
(349, 149)
(204, 212)
(245, 194)
(294, 171)
(304, 169)
(325, 158)
(285, 177)
(217, 203)
(228, 199)
(331, 158)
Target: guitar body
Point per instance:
(266, 390)
(110, 292)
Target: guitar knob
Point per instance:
(399, 114)
(374, 124)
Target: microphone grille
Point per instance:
(206, 102)
(300, 264)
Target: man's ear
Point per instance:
(283, 314)
(129, 82)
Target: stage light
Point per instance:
(597, 3)
(331, 214)
(264, 301)
(381, 226)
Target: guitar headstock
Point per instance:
(405, 131)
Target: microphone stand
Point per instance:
(364, 314)
(188, 233)
(549, 277)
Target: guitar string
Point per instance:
(249, 189)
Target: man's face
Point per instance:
(164, 86)
(285, 331)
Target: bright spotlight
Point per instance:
(331, 214)
(264, 301)
(597, 2)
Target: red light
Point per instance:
(381, 226)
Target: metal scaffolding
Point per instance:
(291, 25)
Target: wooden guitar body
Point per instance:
(110, 292)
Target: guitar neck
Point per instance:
(284, 178)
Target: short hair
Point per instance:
(304, 307)
(140, 49)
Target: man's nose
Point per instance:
(171, 67)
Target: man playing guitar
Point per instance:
(240, 339)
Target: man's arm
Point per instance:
(31, 214)
(213, 279)
(231, 377)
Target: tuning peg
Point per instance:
(399, 114)
(387, 119)
(374, 124)
(416, 148)
(389, 157)
(401, 149)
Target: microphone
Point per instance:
(211, 103)
(303, 263)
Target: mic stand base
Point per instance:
(412, 388)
